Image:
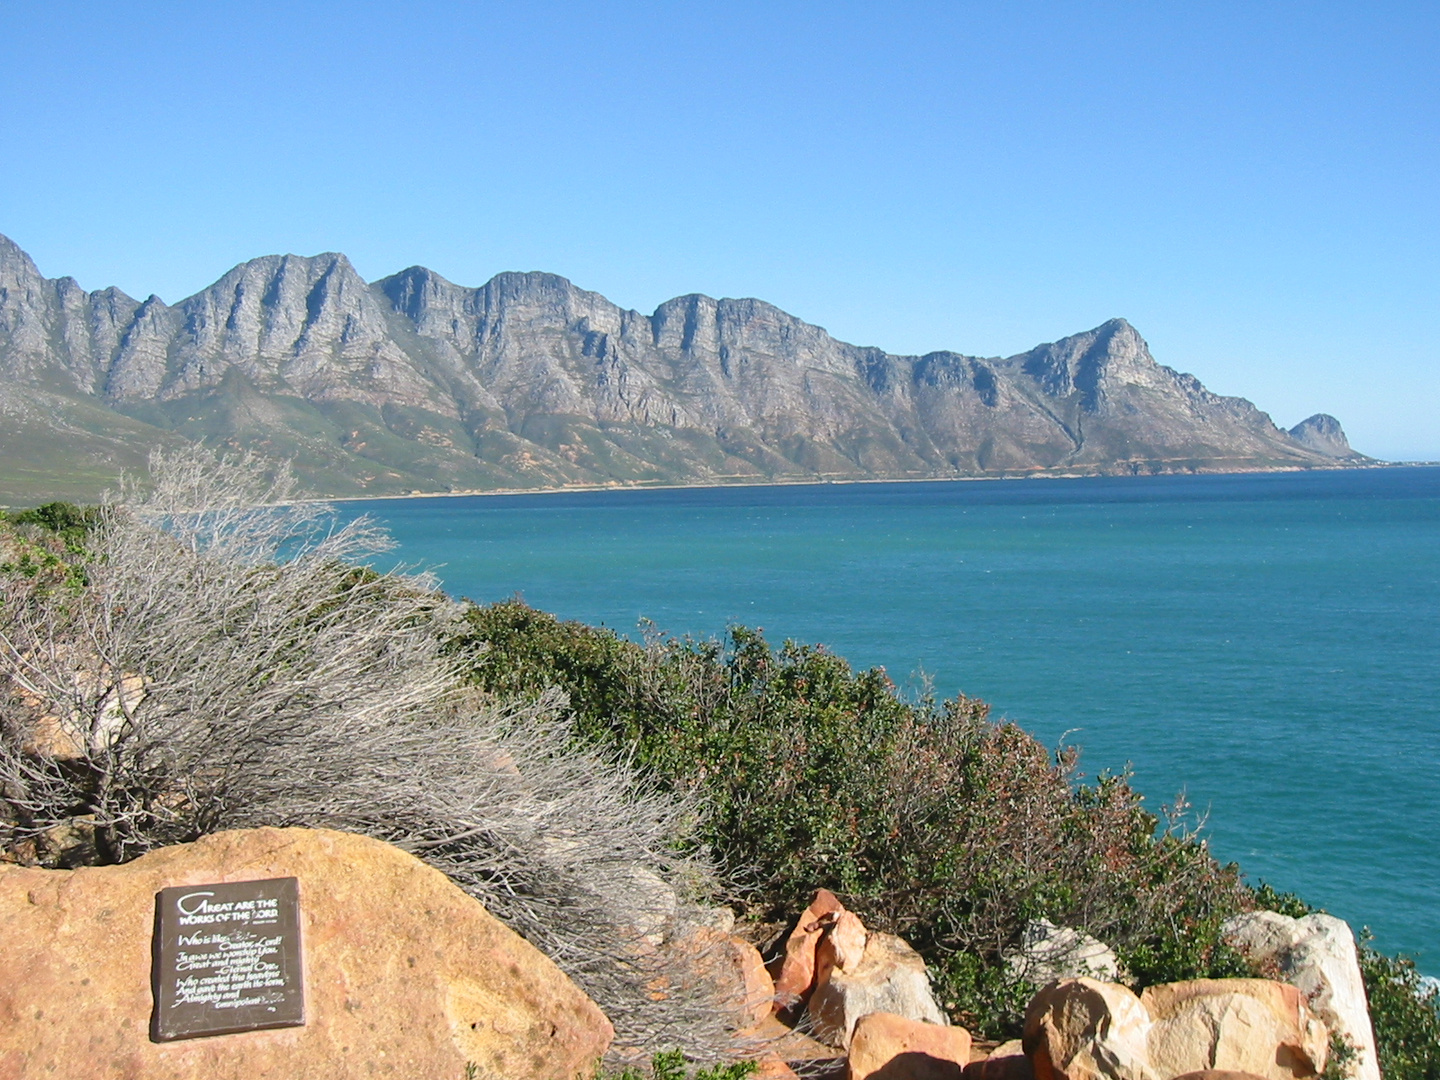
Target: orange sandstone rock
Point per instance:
(892, 1047)
(737, 967)
(772, 1068)
(1256, 1026)
(797, 972)
(842, 945)
(405, 975)
(1083, 1029)
(797, 1050)
(1006, 1062)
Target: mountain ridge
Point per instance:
(413, 382)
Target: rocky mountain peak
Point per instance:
(1323, 434)
(15, 265)
(416, 291)
(1091, 362)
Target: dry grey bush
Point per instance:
(229, 664)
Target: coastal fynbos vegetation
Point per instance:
(210, 657)
(929, 820)
(204, 654)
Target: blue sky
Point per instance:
(1256, 186)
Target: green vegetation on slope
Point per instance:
(930, 820)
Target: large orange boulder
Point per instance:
(404, 974)
(796, 977)
(1083, 1029)
(1316, 955)
(896, 1048)
(1256, 1026)
(842, 945)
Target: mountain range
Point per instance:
(413, 383)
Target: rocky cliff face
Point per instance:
(414, 382)
(1323, 434)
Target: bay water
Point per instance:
(1268, 644)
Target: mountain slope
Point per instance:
(415, 383)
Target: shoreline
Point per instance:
(750, 482)
(570, 489)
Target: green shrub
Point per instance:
(31, 550)
(59, 517)
(930, 820)
(1405, 1013)
(1340, 1058)
(1284, 903)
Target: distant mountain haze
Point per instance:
(413, 383)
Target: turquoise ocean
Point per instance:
(1269, 644)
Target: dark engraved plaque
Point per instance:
(227, 958)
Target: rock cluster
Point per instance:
(868, 994)
(1081, 1029)
(833, 972)
(405, 975)
(865, 995)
